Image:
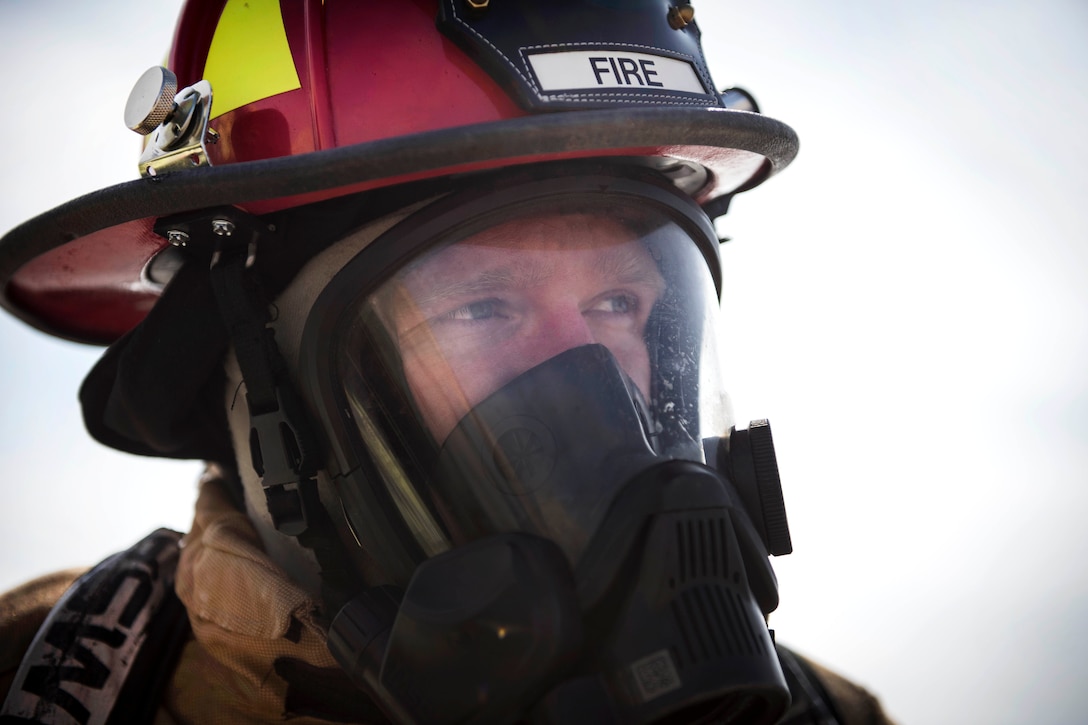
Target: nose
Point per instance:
(558, 328)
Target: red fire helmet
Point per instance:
(287, 103)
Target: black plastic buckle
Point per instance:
(282, 458)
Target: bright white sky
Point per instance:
(907, 304)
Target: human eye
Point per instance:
(615, 303)
(476, 311)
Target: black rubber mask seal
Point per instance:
(547, 452)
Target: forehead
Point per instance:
(578, 236)
(566, 231)
(535, 247)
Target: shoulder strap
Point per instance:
(810, 704)
(109, 645)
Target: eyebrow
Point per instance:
(488, 281)
(625, 265)
(618, 265)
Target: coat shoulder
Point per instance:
(853, 704)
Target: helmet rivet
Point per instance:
(680, 16)
(177, 237)
(476, 5)
(222, 227)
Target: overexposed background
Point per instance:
(908, 304)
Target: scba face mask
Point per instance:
(521, 386)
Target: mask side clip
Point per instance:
(748, 458)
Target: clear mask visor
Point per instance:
(524, 365)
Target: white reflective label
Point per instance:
(585, 69)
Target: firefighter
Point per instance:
(432, 286)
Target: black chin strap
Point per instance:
(284, 449)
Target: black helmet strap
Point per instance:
(285, 451)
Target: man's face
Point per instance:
(472, 316)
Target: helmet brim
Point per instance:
(79, 271)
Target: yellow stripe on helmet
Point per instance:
(249, 58)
